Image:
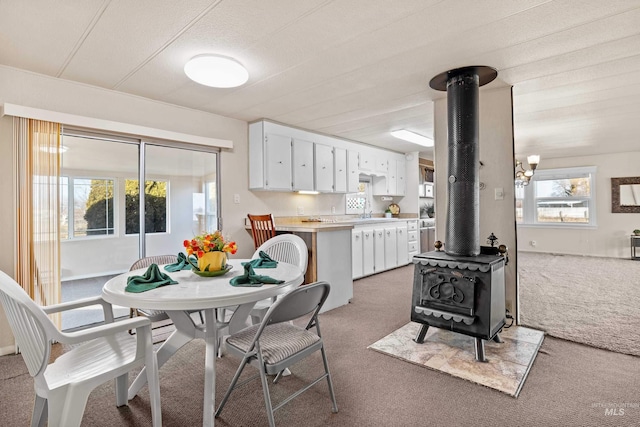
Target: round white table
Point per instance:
(200, 293)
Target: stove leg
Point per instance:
(498, 339)
(480, 350)
(423, 331)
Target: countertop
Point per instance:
(302, 225)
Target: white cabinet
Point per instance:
(382, 164)
(402, 251)
(392, 181)
(390, 248)
(366, 162)
(353, 178)
(413, 241)
(277, 162)
(340, 170)
(378, 250)
(401, 183)
(324, 168)
(367, 252)
(302, 165)
(356, 253)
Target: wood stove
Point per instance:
(461, 289)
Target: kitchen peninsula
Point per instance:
(335, 246)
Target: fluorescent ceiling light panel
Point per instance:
(412, 137)
(216, 71)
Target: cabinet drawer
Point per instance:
(412, 236)
(412, 225)
(413, 247)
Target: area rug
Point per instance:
(507, 366)
(590, 300)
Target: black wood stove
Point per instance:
(462, 288)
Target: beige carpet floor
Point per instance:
(595, 301)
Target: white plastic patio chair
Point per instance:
(99, 354)
(287, 248)
(276, 343)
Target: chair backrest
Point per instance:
(287, 248)
(297, 303)
(262, 228)
(156, 259)
(30, 325)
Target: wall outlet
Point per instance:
(333, 209)
(509, 307)
(533, 243)
(300, 210)
(236, 199)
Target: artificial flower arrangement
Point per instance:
(211, 250)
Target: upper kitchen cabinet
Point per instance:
(340, 170)
(303, 177)
(269, 160)
(284, 158)
(324, 168)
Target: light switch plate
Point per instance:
(499, 192)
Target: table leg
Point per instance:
(185, 332)
(211, 350)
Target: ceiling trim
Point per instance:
(111, 126)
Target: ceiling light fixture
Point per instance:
(216, 71)
(524, 176)
(407, 135)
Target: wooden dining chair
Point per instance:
(262, 228)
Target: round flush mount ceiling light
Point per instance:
(216, 71)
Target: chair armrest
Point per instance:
(85, 302)
(103, 330)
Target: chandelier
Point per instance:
(524, 176)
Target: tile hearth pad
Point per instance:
(507, 364)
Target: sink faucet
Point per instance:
(364, 210)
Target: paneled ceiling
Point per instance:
(354, 68)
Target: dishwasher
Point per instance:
(427, 234)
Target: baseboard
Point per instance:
(10, 349)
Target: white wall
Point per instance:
(610, 238)
(496, 152)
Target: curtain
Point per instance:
(37, 166)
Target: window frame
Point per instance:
(530, 200)
(71, 211)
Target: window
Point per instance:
(92, 209)
(155, 204)
(564, 197)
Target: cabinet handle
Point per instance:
(280, 162)
(304, 165)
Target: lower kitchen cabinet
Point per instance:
(382, 247)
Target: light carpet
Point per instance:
(507, 365)
(590, 300)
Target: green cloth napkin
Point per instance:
(250, 278)
(264, 261)
(181, 263)
(151, 279)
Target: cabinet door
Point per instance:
(356, 253)
(392, 179)
(367, 252)
(390, 248)
(302, 165)
(353, 178)
(277, 162)
(324, 168)
(378, 249)
(401, 172)
(382, 164)
(340, 169)
(366, 162)
(403, 249)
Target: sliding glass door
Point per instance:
(102, 205)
